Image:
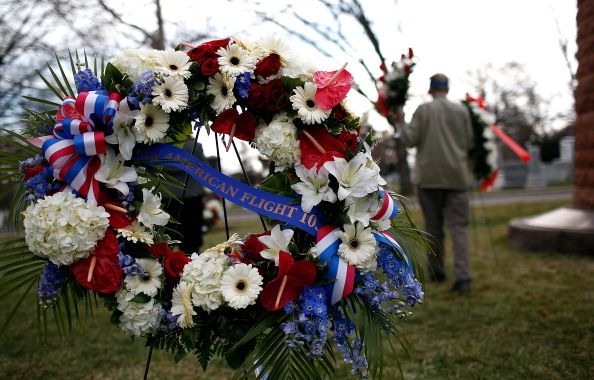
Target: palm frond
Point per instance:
(65, 78)
(373, 326)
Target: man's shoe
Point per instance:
(461, 287)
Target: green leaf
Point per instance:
(64, 77)
(141, 298)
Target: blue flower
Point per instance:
(86, 81)
(129, 265)
(242, 85)
(51, 282)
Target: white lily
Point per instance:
(123, 134)
(362, 209)
(150, 212)
(355, 179)
(113, 172)
(313, 187)
(277, 241)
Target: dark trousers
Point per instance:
(189, 216)
(451, 206)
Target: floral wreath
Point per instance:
(394, 85)
(483, 153)
(330, 270)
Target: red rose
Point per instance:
(160, 250)
(207, 50)
(174, 265)
(382, 106)
(311, 156)
(209, 66)
(107, 274)
(253, 246)
(32, 171)
(256, 96)
(268, 66)
(276, 97)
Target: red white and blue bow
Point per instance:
(79, 139)
(327, 243)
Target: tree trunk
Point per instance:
(584, 105)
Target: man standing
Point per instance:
(442, 132)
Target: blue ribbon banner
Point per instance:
(275, 206)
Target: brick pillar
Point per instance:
(584, 105)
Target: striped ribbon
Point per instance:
(388, 207)
(327, 243)
(387, 238)
(343, 273)
(79, 139)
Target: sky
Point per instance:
(453, 37)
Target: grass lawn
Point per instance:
(529, 316)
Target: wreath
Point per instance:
(394, 85)
(483, 154)
(334, 267)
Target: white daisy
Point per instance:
(235, 60)
(275, 45)
(150, 213)
(171, 95)
(304, 101)
(181, 305)
(148, 283)
(173, 63)
(314, 187)
(136, 233)
(151, 124)
(277, 241)
(241, 284)
(358, 247)
(221, 86)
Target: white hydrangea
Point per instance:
(135, 62)
(64, 228)
(137, 318)
(204, 273)
(279, 141)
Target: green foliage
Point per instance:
(113, 80)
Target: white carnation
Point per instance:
(64, 228)
(135, 62)
(279, 141)
(204, 273)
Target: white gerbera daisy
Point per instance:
(358, 247)
(151, 124)
(148, 283)
(173, 63)
(275, 45)
(171, 95)
(304, 101)
(136, 233)
(235, 60)
(182, 307)
(221, 86)
(241, 284)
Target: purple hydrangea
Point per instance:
(142, 90)
(129, 265)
